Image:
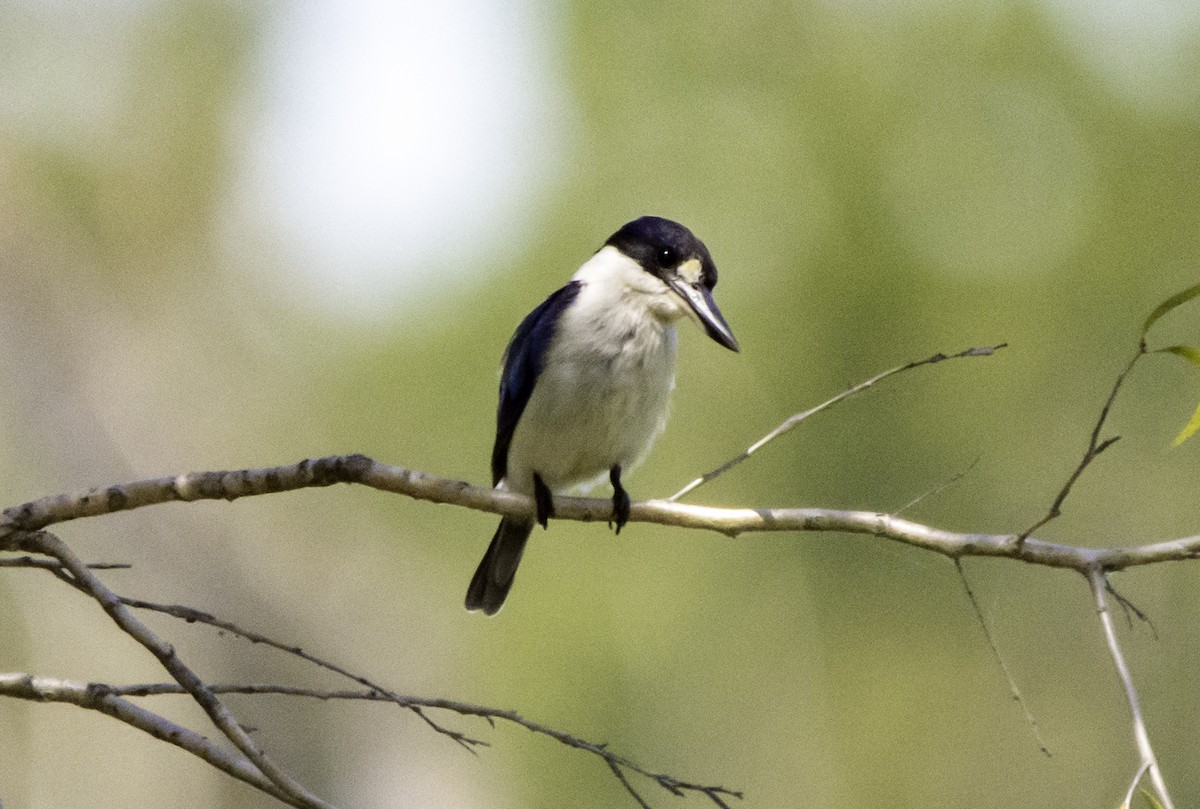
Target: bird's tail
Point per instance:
(494, 577)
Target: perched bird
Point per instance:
(587, 378)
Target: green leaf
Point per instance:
(1192, 355)
(1188, 431)
(1169, 304)
(1189, 353)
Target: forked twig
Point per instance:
(1094, 448)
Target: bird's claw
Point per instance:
(621, 501)
(543, 500)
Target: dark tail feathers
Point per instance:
(494, 577)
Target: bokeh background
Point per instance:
(240, 234)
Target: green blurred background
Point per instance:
(240, 234)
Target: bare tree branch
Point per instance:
(20, 531)
(17, 524)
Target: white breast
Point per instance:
(605, 387)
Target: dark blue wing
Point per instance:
(522, 363)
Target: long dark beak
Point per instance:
(699, 298)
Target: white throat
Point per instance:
(613, 279)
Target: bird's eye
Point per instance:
(666, 257)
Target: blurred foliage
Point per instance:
(877, 181)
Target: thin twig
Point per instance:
(1149, 761)
(945, 484)
(411, 703)
(991, 641)
(793, 421)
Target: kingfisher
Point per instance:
(587, 377)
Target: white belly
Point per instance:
(600, 401)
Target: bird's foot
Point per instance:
(621, 502)
(543, 500)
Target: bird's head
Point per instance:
(678, 272)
